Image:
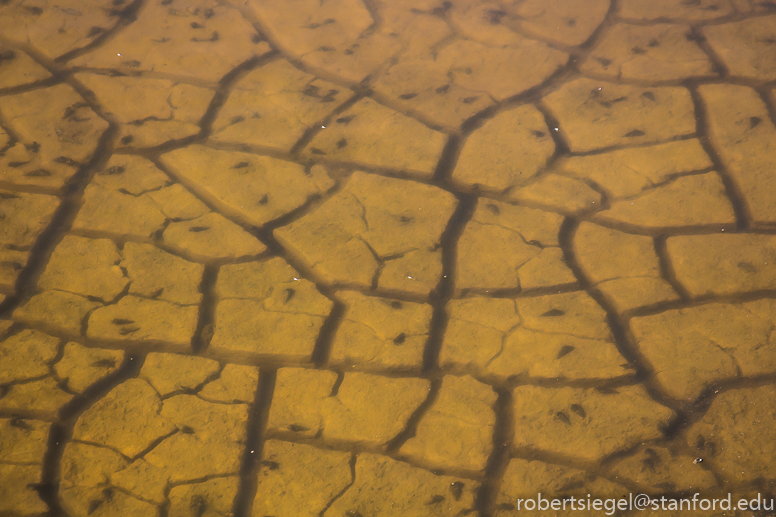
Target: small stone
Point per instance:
(559, 194)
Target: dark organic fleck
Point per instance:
(495, 16)
(325, 48)
(469, 100)
(571, 22)
(341, 143)
(407, 96)
(264, 199)
(604, 62)
(747, 266)
(606, 391)
(653, 43)
(435, 500)
(37, 173)
(65, 160)
(399, 340)
(538, 134)
(122, 321)
(456, 487)
(256, 38)
(347, 52)
(563, 417)
(635, 132)
(195, 25)
(576, 408)
(94, 31)
(93, 505)
(166, 2)
(104, 363)
(443, 89)
(493, 209)
(565, 350)
(20, 424)
(34, 10)
(132, 63)
(648, 95)
(638, 50)
(553, 312)
(406, 219)
(198, 505)
(345, 120)
(754, 122)
(128, 330)
(16, 164)
(240, 165)
(298, 428)
(288, 294)
(396, 305)
(127, 139)
(271, 465)
(315, 150)
(197, 229)
(187, 430)
(157, 293)
(236, 119)
(208, 13)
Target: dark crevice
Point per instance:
(446, 286)
(667, 268)
(207, 308)
(411, 428)
(62, 431)
(325, 340)
(717, 64)
(313, 130)
(732, 189)
(623, 340)
(446, 164)
(127, 16)
(503, 437)
(255, 431)
(61, 221)
(225, 87)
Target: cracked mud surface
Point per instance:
(370, 257)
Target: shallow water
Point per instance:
(387, 258)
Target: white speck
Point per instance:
(555, 128)
(251, 452)
(118, 55)
(631, 204)
(722, 229)
(409, 277)
(323, 127)
(296, 279)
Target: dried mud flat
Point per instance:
(371, 257)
